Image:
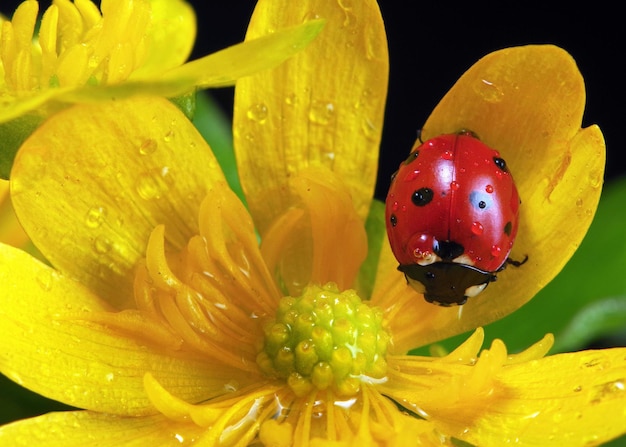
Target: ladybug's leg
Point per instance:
(516, 263)
(513, 262)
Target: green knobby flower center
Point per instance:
(325, 338)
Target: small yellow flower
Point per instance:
(166, 321)
(85, 54)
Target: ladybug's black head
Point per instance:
(447, 283)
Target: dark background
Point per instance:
(432, 43)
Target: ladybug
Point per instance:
(452, 216)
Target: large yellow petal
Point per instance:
(575, 399)
(52, 345)
(496, 399)
(526, 102)
(323, 106)
(84, 428)
(93, 181)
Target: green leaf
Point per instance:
(12, 135)
(596, 271)
(216, 129)
(597, 319)
(376, 233)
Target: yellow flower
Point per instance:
(132, 47)
(168, 324)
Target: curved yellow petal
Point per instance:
(82, 428)
(572, 399)
(53, 344)
(93, 181)
(527, 102)
(323, 106)
(171, 34)
(495, 399)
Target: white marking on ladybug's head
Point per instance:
(475, 290)
(463, 259)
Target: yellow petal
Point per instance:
(50, 345)
(11, 232)
(526, 102)
(323, 106)
(93, 181)
(82, 428)
(171, 34)
(572, 399)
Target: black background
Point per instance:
(432, 43)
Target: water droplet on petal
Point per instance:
(153, 184)
(595, 178)
(148, 147)
(291, 99)
(102, 244)
(579, 202)
(489, 91)
(258, 113)
(321, 112)
(95, 216)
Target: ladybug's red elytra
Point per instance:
(452, 216)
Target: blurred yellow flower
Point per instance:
(85, 54)
(166, 321)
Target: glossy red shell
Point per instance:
(453, 188)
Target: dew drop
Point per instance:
(45, 279)
(369, 129)
(454, 186)
(477, 228)
(489, 189)
(257, 113)
(169, 136)
(321, 112)
(489, 91)
(496, 251)
(95, 216)
(447, 155)
(148, 147)
(291, 99)
(595, 178)
(102, 244)
(579, 202)
(153, 184)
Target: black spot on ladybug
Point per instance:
(500, 163)
(412, 156)
(507, 228)
(394, 220)
(422, 196)
(448, 250)
(480, 200)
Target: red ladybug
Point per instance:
(452, 215)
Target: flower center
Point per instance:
(325, 338)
